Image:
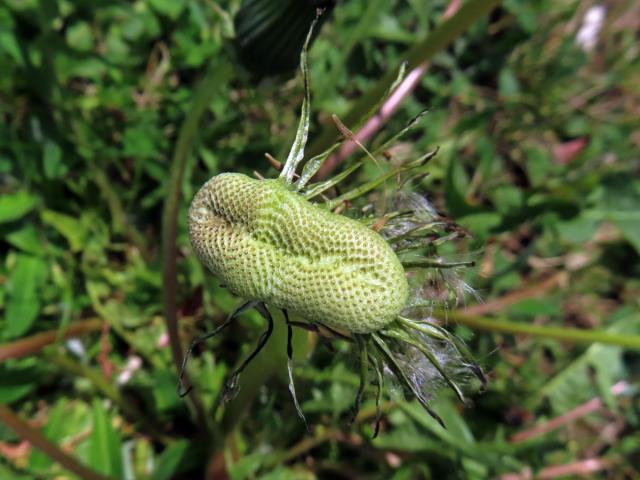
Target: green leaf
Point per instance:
(179, 457)
(79, 36)
(17, 381)
(54, 167)
(69, 227)
(574, 385)
(23, 304)
(631, 230)
(245, 467)
(6, 472)
(538, 165)
(456, 186)
(578, 230)
(294, 473)
(169, 462)
(507, 198)
(105, 445)
(9, 45)
(508, 83)
(170, 8)
(480, 224)
(16, 205)
(164, 391)
(620, 203)
(26, 239)
(532, 307)
(54, 431)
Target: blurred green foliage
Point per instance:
(539, 142)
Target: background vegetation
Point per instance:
(112, 114)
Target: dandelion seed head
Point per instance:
(271, 243)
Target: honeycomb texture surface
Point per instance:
(267, 243)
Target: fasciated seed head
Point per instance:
(268, 243)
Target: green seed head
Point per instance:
(268, 243)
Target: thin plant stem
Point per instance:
(33, 344)
(38, 440)
(591, 406)
(216, 76)
(324, 435)
(530, 291)
(573, 335)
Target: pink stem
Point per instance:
(374, 124)
(572, 415)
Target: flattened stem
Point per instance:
(402, 377)
(361, 341)
(231, 385)
(292, 387)
(296, 154)
(197, 341)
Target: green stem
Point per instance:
(38, 440)
(573, 335)
(437, 40)
(216, 77)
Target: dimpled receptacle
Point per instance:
(268, 243)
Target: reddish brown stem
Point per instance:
(33, 344)
(38, 440)
(581, 468)
(530, 291)
(591, 406)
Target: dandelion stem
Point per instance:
(559, 333)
